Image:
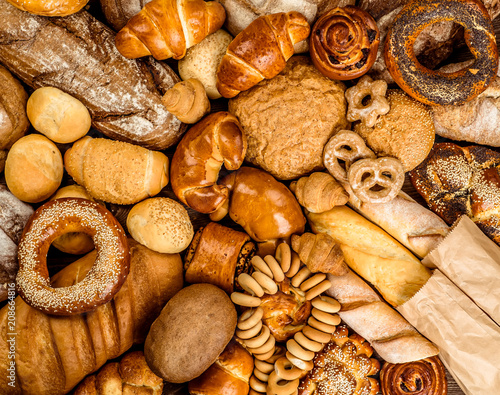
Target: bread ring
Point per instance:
(278, 386)
(286, 370)
(345, 146)
(386, 174)
(432, 87)
(344, 43)
(111, 267)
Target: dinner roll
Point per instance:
(202, 60)
(161, 224)
(34, 168)
(57, 115)
(74, 242)
(191, 332)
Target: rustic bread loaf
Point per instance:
(123, 96)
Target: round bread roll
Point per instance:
(191, 332)
(406, 132)
(73, 242)
(34, 168)
(57, 115)
(202, 60)
(161, 224)
(289, 119)
(13, 120)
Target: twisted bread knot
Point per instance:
(344, 43)
(426, 377)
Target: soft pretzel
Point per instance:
(433, 87)
(376, 180)
(104, 279)
(377, 104)
(215, 140)
(344, 43)
(345, 146)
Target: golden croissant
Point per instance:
(320, 253)
(187, 100)
(167, 28)
(319, 192)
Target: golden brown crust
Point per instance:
(260, 51)
(426, 376)
(228, 375)
(216, 140)
(49, 7)
(50, 221)
(187, 100)
(265, 208)
(166, 28)
(458, 180)
(342, 367)
(432, 87)
(215, 256)
(344, 43)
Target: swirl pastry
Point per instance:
(424, 377)
(344, 43)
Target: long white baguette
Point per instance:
(384, 328)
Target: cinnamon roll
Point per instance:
(344, 43)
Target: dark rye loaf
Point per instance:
(77, 54)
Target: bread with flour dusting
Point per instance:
(77, 54)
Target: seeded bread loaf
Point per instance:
(77, 54)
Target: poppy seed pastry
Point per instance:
(289, 119)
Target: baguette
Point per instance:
(115, 171)
(373, 254)
(123, 96)
(384, 328)
(54, 353)
(413, 225)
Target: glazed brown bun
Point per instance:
(49, 7)
(57, 115)
(34, 168)
(228, 375)
(191, 332)
(406, 132)
(73, 243)
(217, 255)
(265, 208)
(13, 97)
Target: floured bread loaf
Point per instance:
(13, 216)
(285, 134)
(123, 96)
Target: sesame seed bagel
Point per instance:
(433, 87)
(58, 217)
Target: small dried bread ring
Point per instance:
(345, 146)
(278, 386)
(286, 370)
(376, 180)
(104, 279)
(433, 87)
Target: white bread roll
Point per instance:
(161, 224)
(73, 243)
(202, 60)
(34, 168)
(115, 171)
(57, 115)
(372, 253)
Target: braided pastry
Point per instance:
(342, 367)
(319, 192)
(423, 377)
(344, 43)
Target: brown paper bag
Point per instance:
(469, 340)
(472, 261)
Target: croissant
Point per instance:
(167, 28)
(319, 192)
(187, 100)
(320, 253)
(260, 51)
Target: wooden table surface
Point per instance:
(58, 260)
